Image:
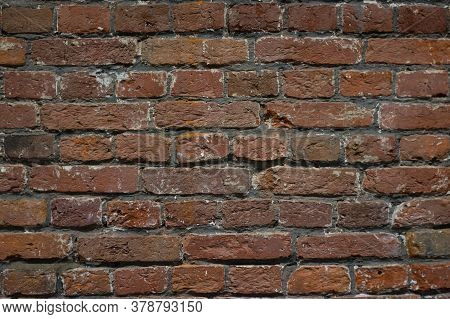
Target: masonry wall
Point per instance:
(276, 149)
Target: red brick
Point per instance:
(260, 147)
(81, 19)
(128, 248)
(430, 276)
(319, 280)
(198, 279)
(195, 147)
(142, 84)
(85, 148)
(12, 51)
(307, 181)
(312, 17)
(85, 85)
(139, 281)
(121, 117)
(408, 51)
(366, 83)
(252, 83)
(199, 180)
(199, 114)
(133, 214)
(29, 147)
(308, 50)
(100, 51)
(23, 212)
(254, 17)
(242, 246)
(17, 116)
(363, 214)
(27, 20)
(314, 147)
(317, 115)
(76, 212)
(224, 51)
(308, 83)
(30, 85)
(248, 213)
(198, 16)
(12, 178)
(190, 213)
(34, 245)
(142, 18)
(86, 281)
(346, 245)
(421, 19)
(428, 83)
(197, 83)
(407, 180)
(17, 282)
(370, 148)
(142, 147)
(423, 212)
(432, 147)
(305, 214)
(76, 179)
(173, 51)
(428, 243)
(414, 116)
(255, 280)
(367, 18)
(381, 279)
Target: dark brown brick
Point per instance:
(305, 214)
(29, 147)
(363, 214)
(76, 212)
(248, 213)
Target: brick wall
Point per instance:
(224, 149)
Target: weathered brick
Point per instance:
(305, 214)
(17, 116)
(76, 212)
(85, 148)
(190, 213)
(139, 281)
(224, 51)
(29, 147)
(248, 213)
(255, 280)
(432, 147)
(23, 212)
(173, 51)
(363, 214)
(12, 51)
(30, 85)
(142, 18)
(428, 243)
(27, 20)
(252, 83)
(366, 83)
(18, 282)
(133, 214)
(366, 18)
(312, 17)
(308, 83)
(314, 147)
(260, 147)
(198, 16)
(141, 84)
(195, 147)
(370, 148)
(142, 147)
(85, 85)
(430, 276)
(423, 212)
(428, 83)
(381, 279)
(12, 178)
(199, 279)
(254, 17)
(421, 19)
(197, 83)
(86, 281)
(319, 280)
(80, 19)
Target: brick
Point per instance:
(142, 18)
(199, 114)
(223, 51)
(414, 116)
(308, 83)
(23, 212)
(119, 117)
(421, 19)
(381, 279)
(197, 83)
(27, 20)
(242, 246)
(408, 51)
(183, 214)
(196, 147)
(366, 83)
(196, 180)
(430, 276)
(29, 147)
(198, 16)
(252, 83)
(85, 148)
(142, 147)
(198, 279)
(346, 245)
(319, 280)
(260, 147)
(128, 248)
(34, 246)
(307, 181)
(142, 84)
(422, 212)
(12, 178)
(317, 115)
(139, 281)
(255, 280)
(18, 282)
(314, 147)
(305, 214)
(312, 17)
(428, 83)
(248, 213)
(86, 281)
(76, 179)
(428, 243)
(173, 51)
(363, 214)
(101, 51)
(370, 148)
(432, 147)
(367, 18)
(17, 116)
(81, 19)
(308, 50)
(407, 180)
(254, 17)
(30, 85)
(76, 212)
(85, 85)
(133, 214)
(12, 51)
